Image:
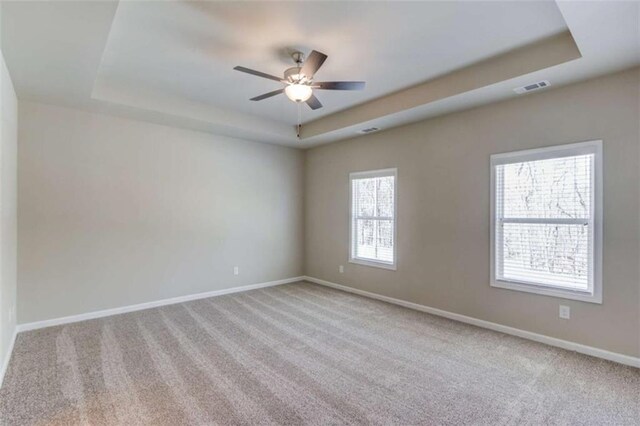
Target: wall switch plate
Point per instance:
(236, 270)
(565, 312)
(341, 269)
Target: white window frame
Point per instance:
(368, 175)
(594, 294)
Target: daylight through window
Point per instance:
(373, 218)
(546, 220)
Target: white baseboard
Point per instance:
(5, 362)
(552, 341)
(131, 308)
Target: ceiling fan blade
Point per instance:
(339, 85)
(313, 63)
(258, 73)
(267, 95)
(313, 102)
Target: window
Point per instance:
(546, 221)
(373, 218)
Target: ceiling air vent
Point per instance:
(533, 86)
(369, 130)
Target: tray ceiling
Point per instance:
(172, 62)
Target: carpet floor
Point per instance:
(303, 354)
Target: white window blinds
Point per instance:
(373, 217)
(544, 221)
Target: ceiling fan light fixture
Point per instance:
(298, 92)
(299, 80)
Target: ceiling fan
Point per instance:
(299, 82)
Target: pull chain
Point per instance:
(299, 127)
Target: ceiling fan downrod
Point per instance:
(298, 58)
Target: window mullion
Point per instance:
(550, 221)
(374, 217)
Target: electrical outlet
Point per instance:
(565, 312)
(341, 269)
(236, 270)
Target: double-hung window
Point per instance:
(373, 218)
(546, 221)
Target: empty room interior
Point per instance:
(319, 212)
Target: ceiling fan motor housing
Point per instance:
(293, 75)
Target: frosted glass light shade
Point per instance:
(298, 92)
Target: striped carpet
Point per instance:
(303, 354)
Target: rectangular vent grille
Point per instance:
(533, 86)
(369, 130)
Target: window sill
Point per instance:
(373, 263)
(548, 291)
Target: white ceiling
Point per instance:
(171, 62)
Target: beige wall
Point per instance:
(8, 141)
(443, 209)
(114, 212)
